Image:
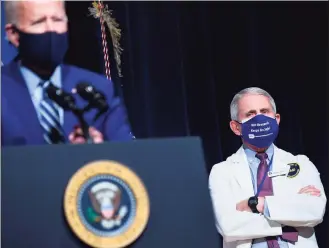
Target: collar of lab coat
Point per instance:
(242, 173)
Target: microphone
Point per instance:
(95, 98)
(62, 98)
(67, 102)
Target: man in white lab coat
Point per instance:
(264, 197)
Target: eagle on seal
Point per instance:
(106, 198)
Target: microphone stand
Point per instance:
(79, 113)
(84, 125)
(67, 102)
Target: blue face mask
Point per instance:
(45, 50)
(260, 131)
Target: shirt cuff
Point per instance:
(266, 210)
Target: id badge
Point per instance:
(277, 173)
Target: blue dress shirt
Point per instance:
(33, 81)
(253, 164)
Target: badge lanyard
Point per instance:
(269, 167)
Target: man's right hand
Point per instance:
(76, 136)
(311, 190)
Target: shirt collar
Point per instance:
(33, 80)
(251, 154)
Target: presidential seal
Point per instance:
(106, 205)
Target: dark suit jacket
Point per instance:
(20, 124)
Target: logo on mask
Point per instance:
(106, 205)
(260, 131)
(251, 136)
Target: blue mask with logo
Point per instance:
(45, 50)
(260, 131)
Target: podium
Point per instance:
(173, 171)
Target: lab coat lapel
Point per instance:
(243, 175)
(242, 172)
(280, 164)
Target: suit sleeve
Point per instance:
(235, 225)
(116, 126)
(116, 123)
(300, 209)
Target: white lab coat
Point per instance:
(230, 182)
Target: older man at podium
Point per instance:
(38, 29)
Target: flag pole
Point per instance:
(101, 11)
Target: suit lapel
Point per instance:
(24, 107)
(242, 172)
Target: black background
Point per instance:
(184, 61)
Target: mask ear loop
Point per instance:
(240, 127)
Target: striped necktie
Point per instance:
(49, 118)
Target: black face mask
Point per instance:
(44, 51)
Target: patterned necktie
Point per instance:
(288, 233)
(267, 188)
(49, 118)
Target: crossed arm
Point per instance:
(293, 215)
(231, 223)
(235, 221)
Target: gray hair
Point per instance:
(252, 91)
(11, 11)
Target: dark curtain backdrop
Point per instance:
(184, 61)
